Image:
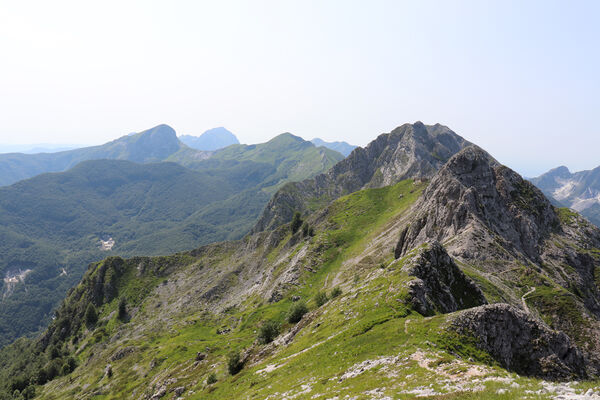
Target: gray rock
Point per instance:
(119, 354)
(179, 390)
(108, 372)
(159, 393)
(475, 193)
(521, 343)
(440, 285)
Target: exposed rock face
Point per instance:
(476, 196)
(522, 344)
(409, 151)
(440, 285)
(579, 190)
(489, 217)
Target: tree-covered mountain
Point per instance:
(152, 145)
(465, 284)
(341, 147)
(212, 139)
(52, 225)
(579, 191)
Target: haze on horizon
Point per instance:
(519, 79)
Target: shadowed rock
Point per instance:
(440, 285)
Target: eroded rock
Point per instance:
(521, 343)
(440, 286)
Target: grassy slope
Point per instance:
(364, 343)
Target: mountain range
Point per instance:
(579, 191)
(52, 225)
(419, 266)
(341, 147)
(212, 139)
(153, 145)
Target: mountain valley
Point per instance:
(55, 224)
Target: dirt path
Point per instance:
(525, 307)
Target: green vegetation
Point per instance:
(365, 339)
(321, 298)
(122, 315)
(296, 222)
(336, 292)
(566, 215)
(212, 378)
(234, 363)
(51, 225)
(296, 312)
(91, 316)
(268, 331)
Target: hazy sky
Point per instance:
(521, 79)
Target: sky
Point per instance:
(519, 78)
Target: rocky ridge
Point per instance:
(409, 151)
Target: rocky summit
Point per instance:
(417, 267)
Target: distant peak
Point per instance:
(286, 136)
(160, 130)
(562, 170)
(211, 140)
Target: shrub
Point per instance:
(305, 228)
(268, 331)
(72, 363)
(65, 370)
(28, 392)
(336, 292)
(297, 312)
(321, 298)
(234, 363)
(91, 315)
(311, 231)
(296, 222)
(53, 351)
(212, 378)
(122, 309)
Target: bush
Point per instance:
(321, 298)
(29, 392)
(296, 222)
(311, 232)
(234, 363)
(53, 351)
(212, 378)
(305, 229)
(91, 315)
(122, 309)
(65, 370)
(297, 312)
(336, 292)
(268, 331)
